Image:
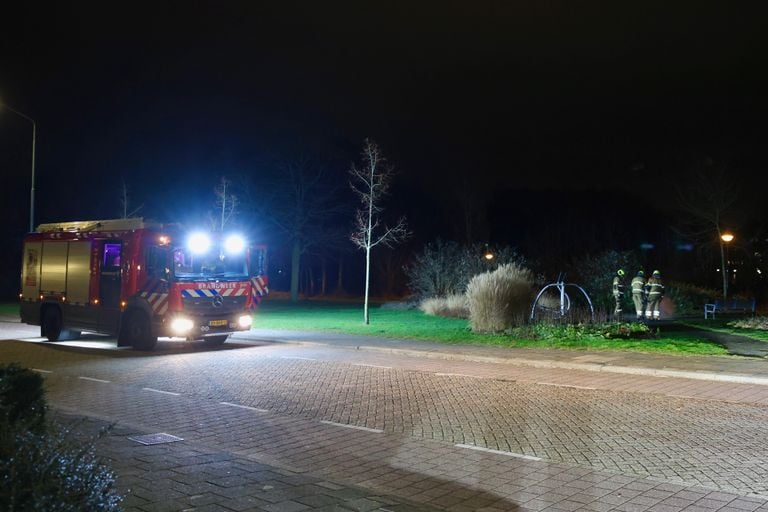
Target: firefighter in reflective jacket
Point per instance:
(638, 293)
(655, 294)
(618, 290)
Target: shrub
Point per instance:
(688, 298)
(499, 299)
(22, 401)
(596, 275)
(451, 306)
(445, 268)
(754, 322)
(50, 471)
(41, 468)
(576, 331)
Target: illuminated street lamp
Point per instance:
(725, 239)
(3, 106)
(488, 256)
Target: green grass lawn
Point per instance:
(412, 324)
(9, 309)
(721, 325)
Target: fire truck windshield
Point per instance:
(214, 264)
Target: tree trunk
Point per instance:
(295, 269)
(311, 278)
(366, 318)
(339, 278)
(323, 277)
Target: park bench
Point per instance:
(729, 306)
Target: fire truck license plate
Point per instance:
(216, 323)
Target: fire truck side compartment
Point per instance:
(78, 273)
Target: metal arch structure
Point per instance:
(565, 300)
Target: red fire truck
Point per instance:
(139, 280)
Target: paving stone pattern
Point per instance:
(190, 477)
(671, 448)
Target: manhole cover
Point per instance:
(155, 439)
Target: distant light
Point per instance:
(759, 271)
(234, 244)
(646, 246)
(164, 240)
(488, 256)
(685, 247)
(727, 237)
(199, 243)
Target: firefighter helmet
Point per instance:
(620, 272)
(656, 273)
(640, 273)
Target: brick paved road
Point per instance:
(416, 412)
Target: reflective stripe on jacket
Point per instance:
(655, 287)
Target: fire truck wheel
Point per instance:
(51, 324)
(137, 332)
(215, 341)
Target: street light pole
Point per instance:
(34, 142)
(725, 239)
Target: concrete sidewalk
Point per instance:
(735, 369)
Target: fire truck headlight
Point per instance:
(181, 325)
(234, 244)
(245, 321)
(199, 243)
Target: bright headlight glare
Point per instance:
(234, 244)
(199, 243)
(181, 325)
(245, 321)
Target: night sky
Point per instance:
(594, 106)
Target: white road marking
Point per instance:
(38, 370)
(459, 375)
(297, 357)
(160, 391)
(564, 385)
(366, 429)
(95, 380)
(244, 407)
(498, 452)
(372, 366)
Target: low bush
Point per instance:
(596, 272)
(445, 268)
(22, 401)
(688, 298)
(500, 299)
(754, 322)
(452, 306)
(573, 331)
(41, 467)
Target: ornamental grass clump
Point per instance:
(500, 299)
(452, 306)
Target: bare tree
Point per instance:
(302, 202)
(708, 207)
(125, 209)
(371, 181)
(225, 205)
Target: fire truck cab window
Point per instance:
(214, 264)
(111, 261)
(157, 262)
